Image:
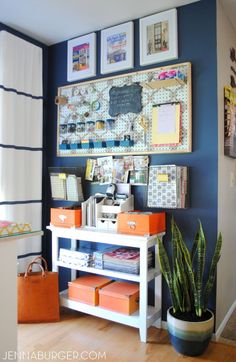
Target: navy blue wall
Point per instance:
(197, 44)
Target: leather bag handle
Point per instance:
(37, 259)
(29, 269)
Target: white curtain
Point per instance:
(21, 139)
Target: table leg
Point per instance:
(73, 247)
(55, 248)
(143, 293)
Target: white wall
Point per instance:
(226, 277)
(8, 298)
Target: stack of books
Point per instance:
(77, 258)
(125, 260)
(98, 256)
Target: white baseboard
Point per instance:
(157, 323)
(225, 320)
(160, 324)
(164, 325)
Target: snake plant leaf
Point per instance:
(194, 247)
(187, 263)
(177, 236)
(166, 271)
(185, 306)
(178, 292)
(175, 250)
(212, 272)
(201, 256)
(185, 275)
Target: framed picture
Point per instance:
(117, 48)
(158, 37)
(81, 57)
(229, 122)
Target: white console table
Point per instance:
(147, 315)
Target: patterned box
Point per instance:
(167, 186)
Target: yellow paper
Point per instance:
(162, 177)
(166, 124)
(90, 164)
(62, 176)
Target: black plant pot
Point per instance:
(189, 338)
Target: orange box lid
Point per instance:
(65, 209)
(142, 214)
(120, 289)
(89, 282)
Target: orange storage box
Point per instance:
(141, 223)
(66, 217)
(121, 297)
(85, 289)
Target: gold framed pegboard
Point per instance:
(85, 127)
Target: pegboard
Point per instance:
(85, 128)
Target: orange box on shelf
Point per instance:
(85, 289)
(66, 217)
(121, 297)
(141, 223)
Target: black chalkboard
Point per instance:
(125, 99)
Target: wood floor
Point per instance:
(230, 328)
(79, 337)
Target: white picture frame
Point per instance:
(120, 37)
(158, 37)
(81, 57)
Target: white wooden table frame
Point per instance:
(147, 315)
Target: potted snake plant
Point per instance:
(190, 324)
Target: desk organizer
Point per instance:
(75, 146)
(126, 143)
(108, 209)
(87, 145)
(99, 144)
(112, 143)
(64, 146)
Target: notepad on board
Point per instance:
(58, 187)
(74, 188)
(166, 124)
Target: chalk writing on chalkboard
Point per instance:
(125, 99)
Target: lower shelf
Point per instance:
(133, 320)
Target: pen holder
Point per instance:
(100, 125)
(80, 126)
(110, 124)
(90, 126)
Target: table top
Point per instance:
(25, 235)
